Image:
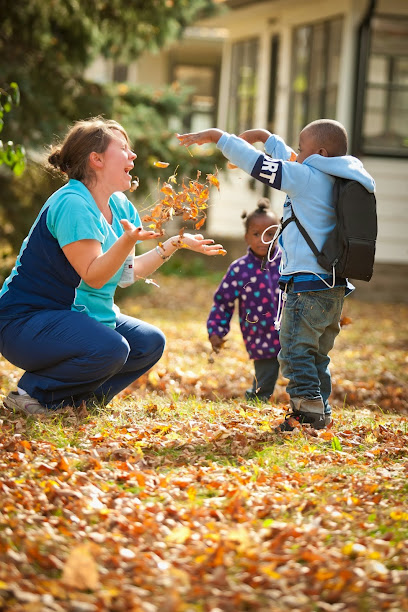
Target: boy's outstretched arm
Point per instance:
(200, 138)
(214, 134)
(255, 135)
(270, 167)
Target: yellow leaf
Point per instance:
(353, 549)
(153, 378)
(324, 574)
(192, 493)
(213, 180)
(398, 515)
(374, 554)
(269, 570)
(179, 535)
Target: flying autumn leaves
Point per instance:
(190, 201)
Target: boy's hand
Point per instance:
(200, 138)
(256, 135)
(216, 343)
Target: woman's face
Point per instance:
(118, 162)
(256, 230)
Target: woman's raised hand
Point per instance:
(197, 242)
(138, 233)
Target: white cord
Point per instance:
(271, 242)
(318, 276)
(281, 305)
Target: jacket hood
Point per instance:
(347, 167)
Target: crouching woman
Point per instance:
(58, 319)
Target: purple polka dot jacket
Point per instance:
(256, 290)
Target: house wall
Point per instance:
(237, 191)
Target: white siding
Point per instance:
(235, 196)
(391, 177)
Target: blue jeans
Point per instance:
(68, 357)
(309, 326)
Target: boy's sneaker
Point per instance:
(305, 412)
(24, 403)
(303, 418)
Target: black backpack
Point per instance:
(350, 246)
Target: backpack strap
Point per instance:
(302, 230)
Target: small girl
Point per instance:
(253, 280)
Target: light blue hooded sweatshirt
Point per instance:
(309, 188)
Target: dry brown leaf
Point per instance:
(80, 570)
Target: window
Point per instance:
(315, 74)
(120, 73)
(243, 87)
(384, 125)
(203, 82)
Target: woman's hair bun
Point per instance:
(54, 159)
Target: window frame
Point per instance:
(363, 86)
(327, 23)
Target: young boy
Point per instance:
(314, 299)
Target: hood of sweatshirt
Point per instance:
(347, 167)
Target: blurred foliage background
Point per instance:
(45, 47)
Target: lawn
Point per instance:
(180, 498)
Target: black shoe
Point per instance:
(317, 421)
(251, 396)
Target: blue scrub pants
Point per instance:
(68, 357)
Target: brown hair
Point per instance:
(71, 157)
(261, 209)
(331, 135)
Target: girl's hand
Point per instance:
(256, 135)
(138, 233)
(217, 343)
(200, 138)
(197, 242)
